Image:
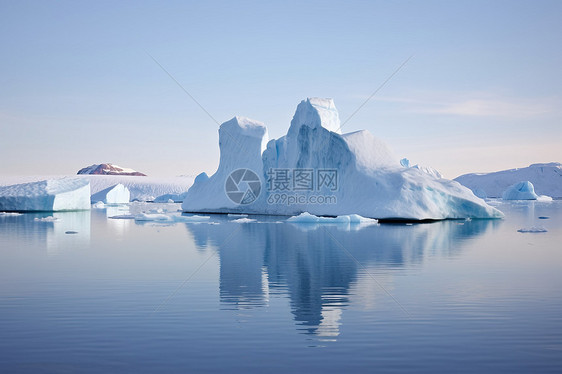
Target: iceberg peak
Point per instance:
(315, 112)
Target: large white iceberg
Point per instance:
(546, 179)
(48, 195)
(323, 172)
(117, 194)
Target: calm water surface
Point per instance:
(271, 296)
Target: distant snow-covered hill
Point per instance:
(109, 169)
(546, 178)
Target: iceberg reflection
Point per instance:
(317, 266)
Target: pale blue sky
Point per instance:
(482, 92)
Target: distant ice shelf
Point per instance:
(546, 179)
(47, 195)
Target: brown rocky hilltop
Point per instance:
(109, 169)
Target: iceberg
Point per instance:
(117, 194)
(307, 218)
(545, 177)
(520, 191)
(532, 229)
(241, 142)
(47, 195)
(171, 198)
(315, 168)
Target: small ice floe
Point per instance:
(244, 220)
(122, 216)
(190, 218)
(47, 219)
(532, 229)
(152, 217)
(9, 214)
(544, 199)
(157, 211)
(306, 217)
(98, 205)
(237, 215)
(159, 217)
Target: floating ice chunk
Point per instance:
(306, 217)
(153, 217)
(244, 220)
(532, 229)
(47, 219)
(98, 205)
(237, 215)
(123, 216)
(48, 195)
(160, 217)
(544, 199)
(356, 218)
(520, 191)
(194, 218)
(117, 194)
(9, 214)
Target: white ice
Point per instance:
(546, 179)
(117, 194)
(47, 195)
(307, 218)
(244, 220)
(532, 229)
(140, 188)
(520, 191)
(171, 198)
(371, 180)
(47, 219)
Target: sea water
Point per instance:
(82, 292)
